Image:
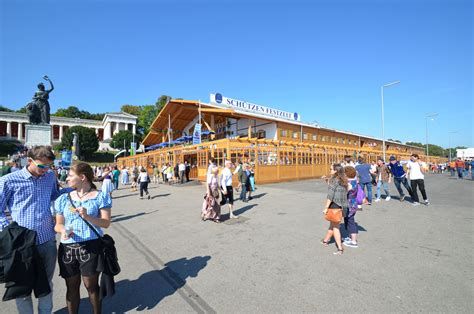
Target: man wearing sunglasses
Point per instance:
(28, 194)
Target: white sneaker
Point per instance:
(415, 203)
(377, 200)
(346, 239)
(388, 198)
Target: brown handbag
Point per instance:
(334, 213)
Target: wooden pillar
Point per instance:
(297, 162)
(278, 162)
(256, 158)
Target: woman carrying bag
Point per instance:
(336, 205)
(81, 246)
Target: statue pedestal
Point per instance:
(38, 134)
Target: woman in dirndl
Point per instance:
(107, 185)
(211, 209)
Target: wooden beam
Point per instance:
(217, 110)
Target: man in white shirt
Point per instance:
(417, 179)
(226, 186)
(182, 170)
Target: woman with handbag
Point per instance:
(336, 205)
(211, 208)
(80, 246)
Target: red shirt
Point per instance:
(459, 164)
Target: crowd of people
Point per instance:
(350, 186)
(66, 201)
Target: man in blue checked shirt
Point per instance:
(28, 193)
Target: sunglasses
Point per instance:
(42, 166)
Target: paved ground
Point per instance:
(270, 260)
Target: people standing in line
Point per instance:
(116, 177)
(212, 164)
(364, 172)
(156, 174)
(182, 171)
(134, 174)
(399, 177)
(124, 174)
(188, 170)
(459, 163)
(347, 161)
(143, 180)
(251, 181)
(336, 199)
(163, 172)
(238, 172)
(28, 194)
(452, 167)
(373, 169)
(417, 179)
(80, 248)
(466, 168)
(244, 180)
(383, 179)
(107, 184)
(169, 173)
(352, 199)
(226, 187)
(176, 172)
(211, 209)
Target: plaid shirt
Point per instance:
(29, 201)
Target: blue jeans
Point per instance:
(243, 192)
(460, 170)
(48, 253)
(452, 171)
(398, 182)
(385, 187)
(367, 185)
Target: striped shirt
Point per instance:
(29, 201)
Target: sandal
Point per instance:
(339, 252)
(325, 243)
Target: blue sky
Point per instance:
(323, 59)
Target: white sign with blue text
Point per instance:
(197, 134)
(218, 99)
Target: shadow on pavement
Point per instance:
(146, 292)
(160, 195)
(118, 218)
(242, 210)
(259, 195)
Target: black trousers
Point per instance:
(143, 187)
(421, 184)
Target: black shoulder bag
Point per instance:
(108, 262)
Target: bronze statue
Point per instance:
(38, 109)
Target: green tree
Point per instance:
(396, 141)
(415, 144)
(88, 141)
(131, 109)
(147, 114)
(2, 108)
(161, 102)
(126, 137)
(21, 110)
(74, 112)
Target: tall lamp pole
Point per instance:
(383, 118)
(449, 139)
(427, 148)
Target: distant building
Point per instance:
(12, 126)
(467, 153)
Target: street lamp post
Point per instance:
(449, 139)
(383, 122)
(427, 149)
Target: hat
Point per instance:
(392, 158)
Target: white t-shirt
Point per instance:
(181, 167)
(143, 177)
(226, 177)
(415, 170)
